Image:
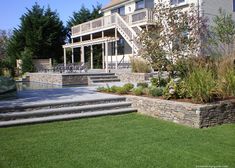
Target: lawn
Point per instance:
(130, 140)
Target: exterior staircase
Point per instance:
(67, 110)
(127, 32)
(103, 78)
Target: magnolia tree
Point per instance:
(176, 33)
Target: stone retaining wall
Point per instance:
(59, 79)
(193, 115)
(133, 77)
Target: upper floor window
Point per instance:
(176, 2)
(140, 5)
(233, 5)
(120, 11)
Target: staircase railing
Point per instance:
(127, 32)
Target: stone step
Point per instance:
(105, 80)
(103, 77)
(58, 104)
(65, 117)
(64, 110)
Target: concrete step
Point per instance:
(103, 77)
(64, 110)
(65, 117)
(106, 80)
(58, 104)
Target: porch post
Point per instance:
(72, 55)
(64, 56)
(82, 54)
(106, 56)
(91, 37)
(103, 54)
(116, 49)
(91, 56)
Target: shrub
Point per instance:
(226, 83)
(145, 91)
(182, 90)
(158, 82)
(128, 86)
(121, 90)
(101, 89)
(143, 85)
(137, 91)
(170, 91)
(139, 65)
(201, 85)
(155, 91)
(113, 89)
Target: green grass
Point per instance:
(130, 140)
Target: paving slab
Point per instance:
(27, 97)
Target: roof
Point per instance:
(113, 3)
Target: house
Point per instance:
(117, 31)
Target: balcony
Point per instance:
(143, 16)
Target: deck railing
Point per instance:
(144, 15)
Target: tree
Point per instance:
(223, 32)
(41, 31)
(4, 38)
(175, 34)
(84, 15)
(27, 60)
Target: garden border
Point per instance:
(193, 115)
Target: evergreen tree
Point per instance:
(83, 15)
(41, 31)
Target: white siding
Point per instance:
(107, 13)
(130, 8)
(210, 8)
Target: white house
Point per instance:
(116, 32)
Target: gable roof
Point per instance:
(113, 3)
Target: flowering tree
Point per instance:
(176, 33)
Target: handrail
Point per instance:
(106, 21)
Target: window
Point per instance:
(120, 11)
(233, 5)
(149, 3)
(140, 5)
(176, 2)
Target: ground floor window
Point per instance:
(176, 2)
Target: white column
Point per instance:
(72, 55)
(116, 49)
(106, 56)
(103, 51)
(64, 56)
(91, 57)
(82, 54)
(91, 37)
(103, 55)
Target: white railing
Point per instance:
(127, 32)
(140, 16)
(103, 22)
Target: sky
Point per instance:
(12, 10)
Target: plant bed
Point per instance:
(186, 113)
(183, 111)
